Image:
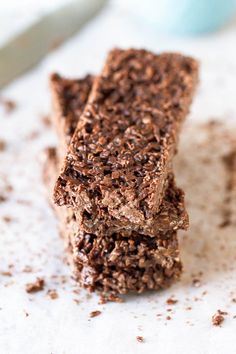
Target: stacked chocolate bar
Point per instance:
(117, 201)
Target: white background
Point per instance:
(61, 326)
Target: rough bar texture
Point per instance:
(69, 99)
(116, 263)
(122, 149)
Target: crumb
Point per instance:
(6, 274)
(95, 313)
(218, 318)
(171, 301)
(7, 219)
(196, 283)
(189, 308)
(111, 297)
(2, 199)
(33, 135)
(76, 301)
(76, 291)
(140, 339)
(234, 300)
(3, 145)
(46, 120)
(38, 285)
(9, 105)
(27, 269)
(26, 313)
(52, 293)
(168, 318)
(8, 188)
(114, 298)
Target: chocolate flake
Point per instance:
(7, 219)
(171, 301)
(218, 318)
(2, 198)
(38, 285)
(140, 339)
(6, 274)
(196, 283)
(95, 313)
(8, 104)
(52, 293)
(46, 120)
(2, 145)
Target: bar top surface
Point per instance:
(121, 151)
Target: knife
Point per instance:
(31, 45)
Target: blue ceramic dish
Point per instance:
(184, 16)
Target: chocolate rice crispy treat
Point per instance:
(115, 263)
(69, 99)
(121, 152)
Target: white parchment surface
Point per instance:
(36, 324)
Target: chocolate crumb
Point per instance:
(52, 293)
(95, 313)
(46, 120)
(8, 188)
(6, 274)
(218, 318)
(110, 298)
(27, 269)
(168, 318)
(140, 339)
(38, 285)
(2, 199)
(2, 145)
(7, 219)
(234, 300)
(8, 105)
(76, 301)
(196, 283)
(33, 135)
(171, 301)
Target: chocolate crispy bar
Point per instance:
(119, 158)
(69, 99)
(119, 262)
(115, 263)
(120, 155)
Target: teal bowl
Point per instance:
(185, 17)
